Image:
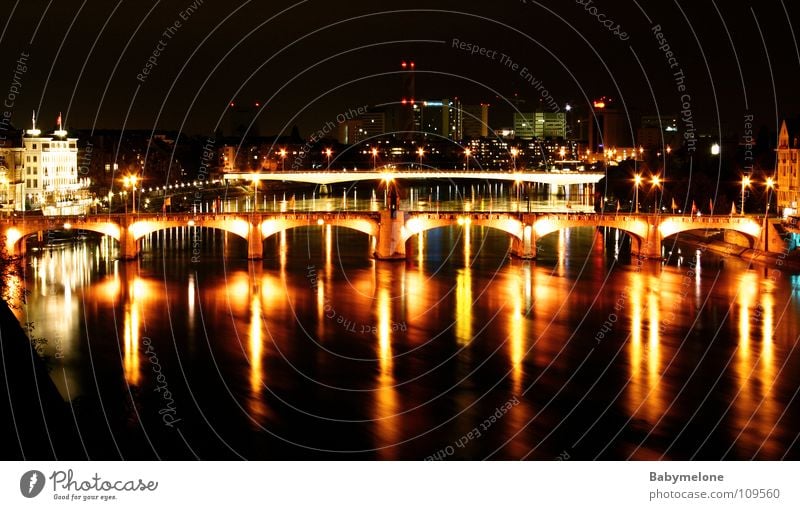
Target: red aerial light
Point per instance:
(412, 65)
(403, 65)
(403, 101)
(232, 104)
(412, 101)
(258, 105)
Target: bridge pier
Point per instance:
(390, 244)
(255, 245)
(524, 247)
(649, 247)
(128, 247)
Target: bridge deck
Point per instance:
(324, 177)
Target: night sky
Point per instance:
(308, 61)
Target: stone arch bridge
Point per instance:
(390, 233)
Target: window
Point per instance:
(28, 159)
(35, 159)
(36, 183)
(34, 146)
(45, 146)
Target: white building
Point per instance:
(48, 179)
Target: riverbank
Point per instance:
(716, 244)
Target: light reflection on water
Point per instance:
(402, 358)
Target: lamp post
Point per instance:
(656, 185)
(770, 184)
(328, 153)
(420, 153)
(745, 184)
(283, 159)
(514, 154)
(374, 158)
(637, 180)
(467, 153)
(130, 181)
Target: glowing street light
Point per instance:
(715, 149)
(467, 154)
(130, 181)
(770, 183)
(420, 153)
(656, 185)
(283, 159)
(637, 181)
(514, 154)
(374, 158)
(328, 153)
(745, 184)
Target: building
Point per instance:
(475, 121)
(540, 124)
(658, 132)
(788, 188)
(523, 125)
(442, 118)
(43, 174)
(607, 127)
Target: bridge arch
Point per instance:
(505, 222)
(272, 226)
(748, 227)
(15, 235)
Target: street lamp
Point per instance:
(374, 158)
(283, 159)
(745, 184)
(467, 153)
(130, 180)
(656, 184)
(715, 149)
(770, 184)
(514, 154)
(420, 153)
(637, 180)
(328, 153)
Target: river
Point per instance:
(460, 352)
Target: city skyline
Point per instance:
(113, 78)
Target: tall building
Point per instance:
(407, 101)
(608, 127)
(443, 118)
(657, 132)
(44, 174)
(788, 189)
(242, 119)
(540, 124)
(524, 125)
(475, 121)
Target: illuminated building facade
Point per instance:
(788, 178)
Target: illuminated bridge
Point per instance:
(388, 234)
(333, 177)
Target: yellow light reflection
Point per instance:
(131, 344)
(654, 405)
(386, 405)
(464, 294)
(255, 347)
(516, 333)
(636, 390)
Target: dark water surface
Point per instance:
(320, 351)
